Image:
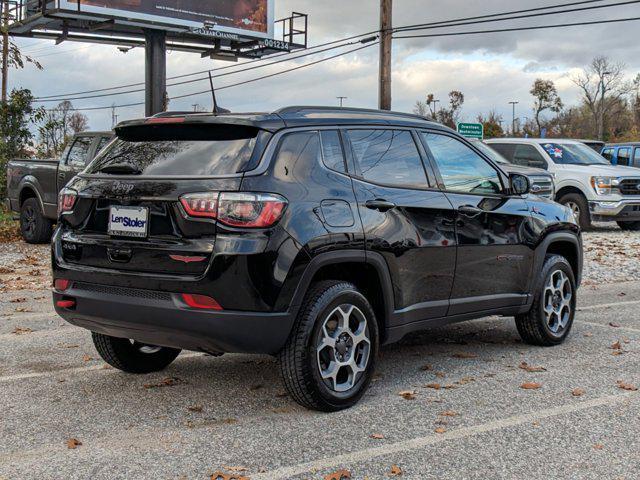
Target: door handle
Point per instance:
(470, 210)
(380, 205)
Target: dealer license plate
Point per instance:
(129, 221)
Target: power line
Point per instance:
(282, 72)
(517, 17)
(439, 24)
(518, 29)
(43, 99)
(177, 77)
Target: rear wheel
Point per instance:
(34, 227)
(630, 226)
(551, 316)
(580, 208)
(131, 356)
(329, 359)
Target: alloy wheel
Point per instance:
(558, 296)
(575, 208)
(28, 221)
(343, 347)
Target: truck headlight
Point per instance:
(605, 185)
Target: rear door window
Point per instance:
(608, 153)
(507, 150)
(214, 153)
(624, 156)
(636, 158)
(79, 152)
(388, 157)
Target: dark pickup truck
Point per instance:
(33, 184)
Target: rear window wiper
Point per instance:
(121, 169)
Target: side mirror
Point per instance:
(519, 184)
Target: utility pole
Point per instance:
(341, 100)
(386, 22)
(513, 122)
(435, 108)
(5, 50)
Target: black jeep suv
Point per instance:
(314, 234)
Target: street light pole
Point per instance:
(513, 123)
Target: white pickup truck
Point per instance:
(586, 182)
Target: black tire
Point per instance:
(630, 226)
(299, 359)
(534, 327)
(34, 226)
(129, 356)
(577, 201)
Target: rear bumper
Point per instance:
(623, 210)
(160, 318)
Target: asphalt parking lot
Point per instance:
(463, 412)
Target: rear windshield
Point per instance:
(162, 155)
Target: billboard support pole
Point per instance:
(155, 71)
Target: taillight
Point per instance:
(66, 200)
(243, 210)
(200, 301)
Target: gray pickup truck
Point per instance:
(33, 184)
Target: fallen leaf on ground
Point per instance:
(339, 475)
(435, 386)
(426, 368)
(195, 408)
(626, 386)
(588, 334)
(614, 325)
(408, 394)
(23, 310)
(531, 369)
(167, 382)
(21, 331)
(18, 300)
(464, 355)
(598, 446)
(531, 386)
(395, 471)
(377, 436)
(86, 358)
(234, 469)
(440, 374)
(449, 413)
(73, 443)
(577, 392)
(616, 346)
(440, 430)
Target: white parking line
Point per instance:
(67, 371)
(405, 446)
(602, 325)
(608, 305)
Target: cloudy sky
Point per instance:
(491, 69)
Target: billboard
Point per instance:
(252, 18)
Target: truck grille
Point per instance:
(630, 186)
(542, 186)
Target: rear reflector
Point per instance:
(61, 284)
(200, 301)
(66, 303)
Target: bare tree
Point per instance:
(547, 98)
(603, 87)
(57, 127)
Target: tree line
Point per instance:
(608, 110)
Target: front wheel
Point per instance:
(133, 357)
(550, 319)
(577, 203)
(630, 226)
(329, 359)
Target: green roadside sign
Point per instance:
(471, 130)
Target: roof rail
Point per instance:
(302, 109)
(172, 114)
